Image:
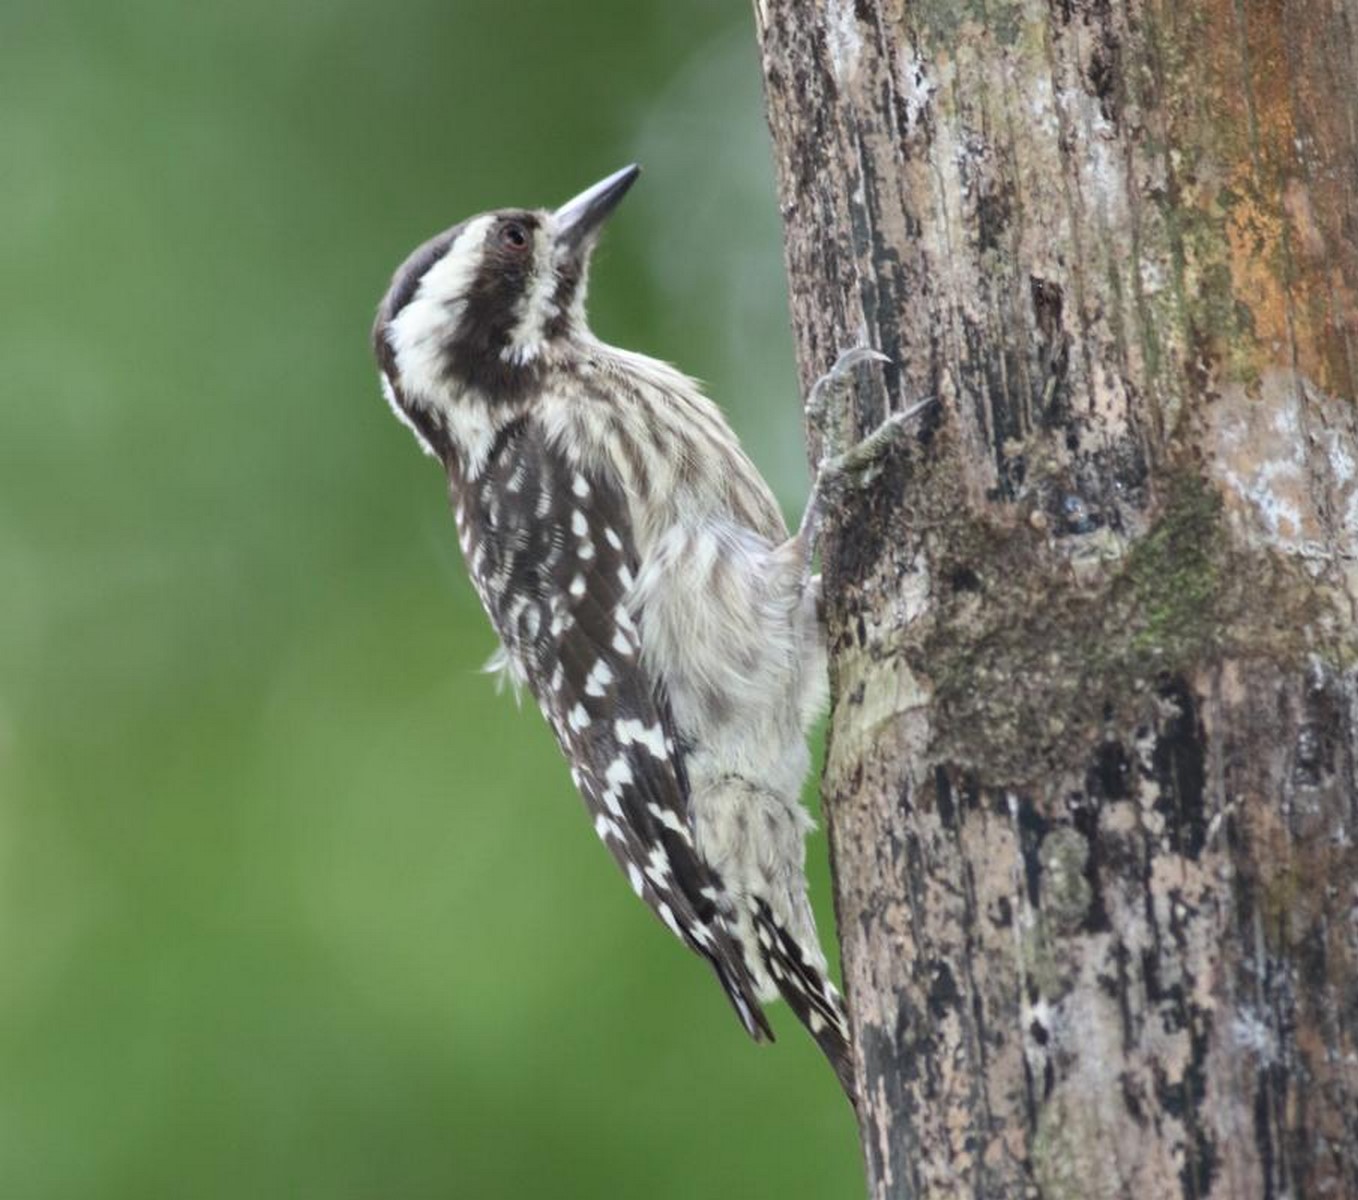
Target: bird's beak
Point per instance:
(577, 220)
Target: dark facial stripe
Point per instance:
(473, 353)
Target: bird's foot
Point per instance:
(843, 461)
(854, 462)
(829, 423)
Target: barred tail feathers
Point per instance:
(808, 992)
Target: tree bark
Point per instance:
(1094, 744)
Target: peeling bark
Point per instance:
(1092, 787)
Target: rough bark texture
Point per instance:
(1094, 750)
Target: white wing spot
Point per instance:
(617, 777)
(622, 644)
(532, 622)
(599, 678)
(668, 819)
(580, 486)
(607, 828)
(667, 915)
(579, 524)
(579, 718)
(634, 878)
(611, 536)
(578, 586)
(659, 866)
(630, 732)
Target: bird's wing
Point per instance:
(552, 553)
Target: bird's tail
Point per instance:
(809, 993)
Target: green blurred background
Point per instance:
(290, 903)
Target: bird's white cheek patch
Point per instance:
(420, 329)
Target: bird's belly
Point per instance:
(725, 627)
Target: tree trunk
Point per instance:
(1094, 747)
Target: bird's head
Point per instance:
(480, 307)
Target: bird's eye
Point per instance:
(513, 235)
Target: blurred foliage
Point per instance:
(290, 904)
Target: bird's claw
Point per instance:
(840, 461)
(850, 358)
(830, 384)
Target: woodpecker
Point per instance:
(641, 581)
